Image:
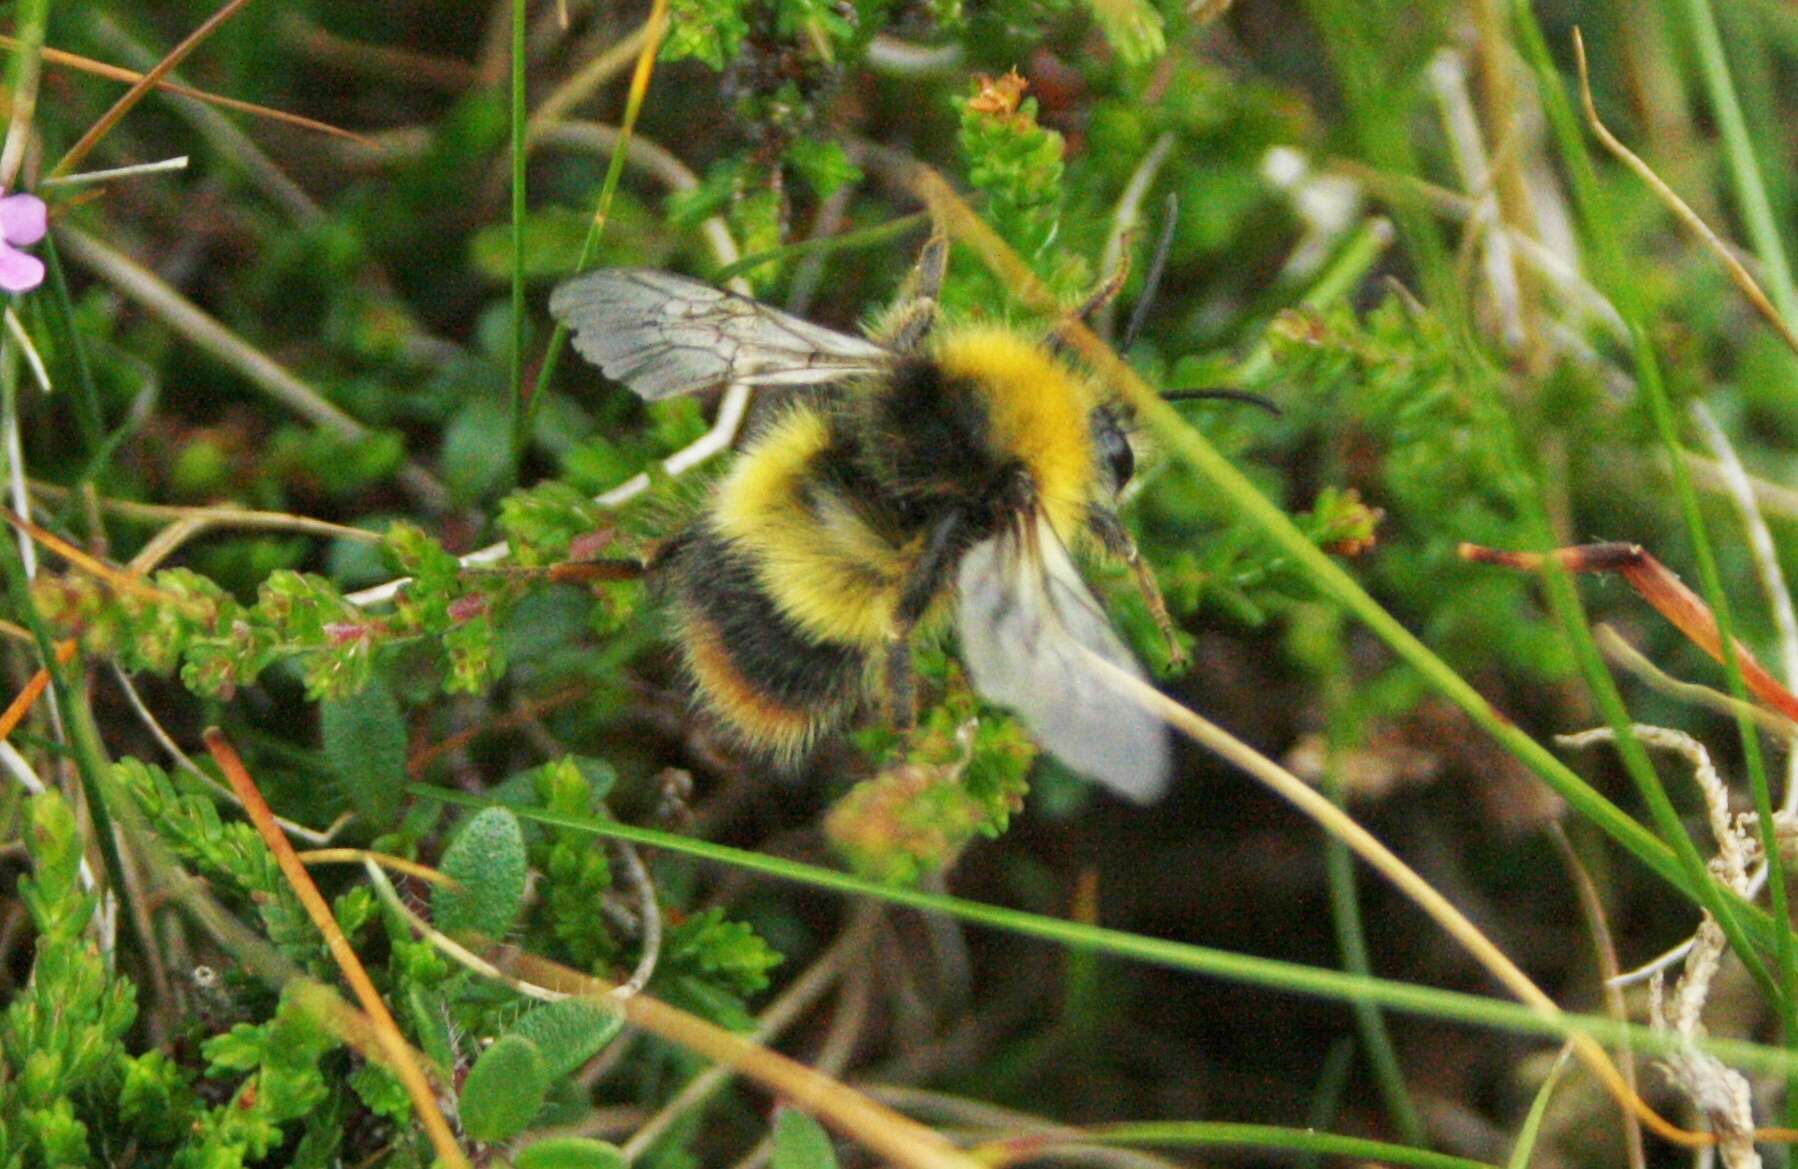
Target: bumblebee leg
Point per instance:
(916, 316)
(902, 700)
(942, 551)
(1115, 540)
(1104, 294)
(1108, 289)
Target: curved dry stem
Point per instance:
(1384, 861)
(1625, 656)
(1738, 272)
(794, 1001)
(732, 408)
(649, 914)
(167, 742)
(1128, 214)
(1603, 945)
(386, 860)
(448, 946)
(215, 516)
(578, 88)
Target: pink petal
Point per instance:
(19, 272)
(22, 219)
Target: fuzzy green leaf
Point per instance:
(365, 740)
(568, 1033)
(504, 1089)
(487, 862)
(570, 1153)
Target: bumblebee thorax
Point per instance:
(1036, 409)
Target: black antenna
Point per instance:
(1206, 394)
(1151, 284)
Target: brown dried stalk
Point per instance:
(1655, 583)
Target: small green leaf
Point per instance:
(1525, 1148)
(569, 1033)
(504, 1089)
(801, 1142)
(365, 740)
(487, 862)
(570, 1153)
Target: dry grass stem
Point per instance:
(649, 920)
(1738, 272)
(1626, 657)
(142, 86)
(386, 860)
(799, 996)
(214, 516)
(1419, 891)
(1448, 79)
(404, 65)
(118, 579)
(131, 76)
(35, 360)
(86, 178)
(583, 84)
(877, 1128)
(1605, 949)
(733, 407)
(1555, 268)
(1126, 216)
(397, 1055)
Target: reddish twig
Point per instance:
(132, 77)
(1657, 585)
(139, 89)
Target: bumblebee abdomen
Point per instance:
(773, 686)
(830, 570)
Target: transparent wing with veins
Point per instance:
(665, 335)
(1028, 625)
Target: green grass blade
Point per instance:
(1270, 973)
(1763, 233)
(1532, 1124)
(1744, 169)
(1195, 1134)
(658, 26)
(521, 411)
(1351, 941)
(60, 313)
(858, 240)
(1620, 285)
(1326, 1097)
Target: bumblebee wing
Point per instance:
(1027, 624)
(665, 335)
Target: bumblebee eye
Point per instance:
(1114, 448)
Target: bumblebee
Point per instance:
(926, 466)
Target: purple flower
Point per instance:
(22, 223)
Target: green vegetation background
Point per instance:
(1331, 249)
